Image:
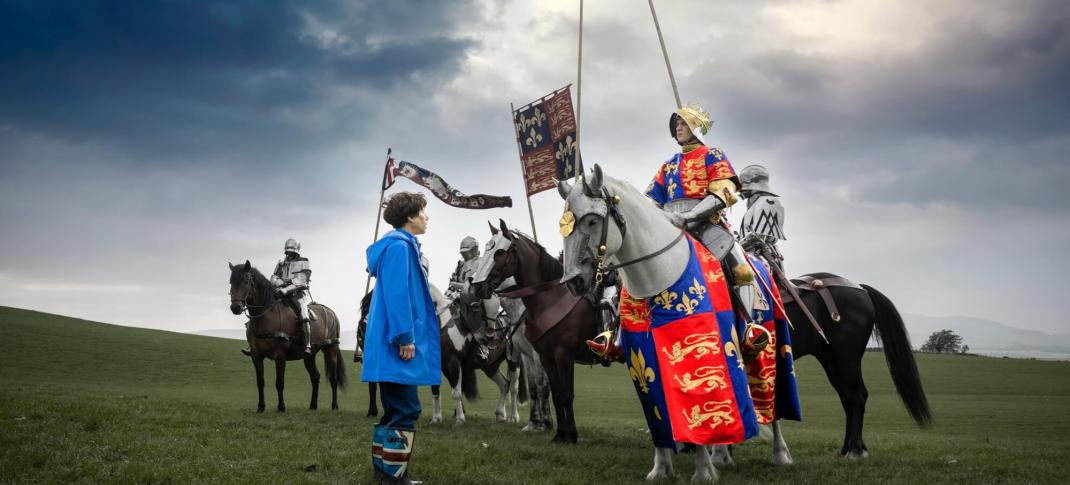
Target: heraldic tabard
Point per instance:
(684, 357)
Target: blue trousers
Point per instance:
(401, 405)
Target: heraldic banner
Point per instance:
(546, 133)
(439, 187)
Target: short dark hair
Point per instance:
(401, 206)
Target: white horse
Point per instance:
(654, 256)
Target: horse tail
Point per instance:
(332, 330)
(900, 356)
(469, 384)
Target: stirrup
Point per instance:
(603, 346)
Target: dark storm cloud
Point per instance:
(198, 79)
(978, 115)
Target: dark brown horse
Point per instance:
(511, 254)
(273, 333)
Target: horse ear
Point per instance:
(248, 266)
(564, 188)
(505, 229)
(596, 180)
(231, 265)
(493, 230)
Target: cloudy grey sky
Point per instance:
(920, 147)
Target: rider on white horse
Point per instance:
(694, 188)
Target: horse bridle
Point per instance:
(248, 280)
(612, 211)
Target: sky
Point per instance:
(922, 148)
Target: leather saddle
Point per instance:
(821, 285)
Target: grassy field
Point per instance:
(95, 403)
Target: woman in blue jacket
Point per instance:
(401, 346)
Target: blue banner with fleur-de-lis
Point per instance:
(546, 133)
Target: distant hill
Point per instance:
(987, 336)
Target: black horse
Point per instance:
(858, 310)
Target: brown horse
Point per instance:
(273, 333)
(512, 254)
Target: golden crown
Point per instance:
(696, 118)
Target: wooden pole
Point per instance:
(523, 173)
(379, 214)
(579, 94)
(665, 53)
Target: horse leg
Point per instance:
(555, 394)
(436, 399)
(373, 406)
(458, 402)
(314, 376)
(662, 464)
(781, 454)
(331, 358)
(258, 364)
(567, 366)
(503, 393)
(280, 378)
(704, 469)
(846, 378)
(721, 455)
(514, 394)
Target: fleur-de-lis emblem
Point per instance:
(533, 139)
(564, 152)
(717, 154)
(687, 305)
(639, 372)
(671, 187)
(697, 289)
(666, 298)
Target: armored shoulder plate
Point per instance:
(765, 216)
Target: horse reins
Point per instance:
(611, 211)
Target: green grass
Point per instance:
(95, 403)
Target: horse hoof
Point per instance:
(856, 455)
(708, 475)
(782, 459)
(658, 474)
(260, 409)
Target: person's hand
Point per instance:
(407, 352)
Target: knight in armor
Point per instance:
(763, 223)
(694, 188)
(479, 316)
(291, 278)
(465, 267)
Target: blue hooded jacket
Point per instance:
(401, 313)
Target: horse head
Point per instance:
(590, 236)
(241, 286)
(498, 262)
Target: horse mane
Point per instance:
(549, 266)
